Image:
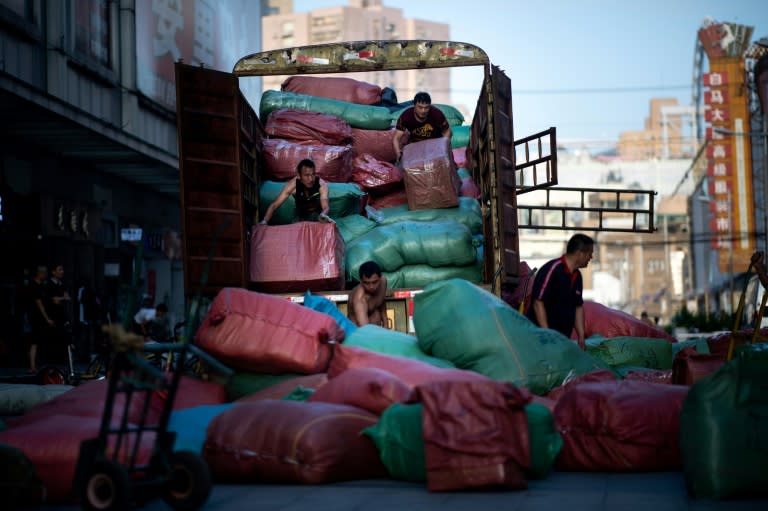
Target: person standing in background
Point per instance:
(40, 321)
(556, 298)
(59, 308)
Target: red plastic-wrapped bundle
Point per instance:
(292, 442)
(297, 257)
(285, 387)
(431, 180)
(332, 162)
(620, 426)
(341, 88)
(265, 333)
(411, 371)
(87, 400)
(652, 375)
(368, 388)
(306, 126)
(475, 434)
(377, 143)
(192, 392)
(52, 444)
(590, 377)
(376, 176)
(689, 366)
(607, 322)
(389, 200)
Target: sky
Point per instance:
(587, 67)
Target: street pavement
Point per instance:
(569, 491)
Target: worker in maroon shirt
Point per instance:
(556, 298)
(422, 121)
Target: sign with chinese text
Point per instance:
(213, 33)
(729, 168)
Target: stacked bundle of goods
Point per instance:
(345, 127)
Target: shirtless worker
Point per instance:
(367, 301)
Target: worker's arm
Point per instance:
(286, 192)
(579, 325)
(383, 306)
(359, 310)
(541, 313)
(324, 198)
(396, 141)
(448, 133)
(41, 307)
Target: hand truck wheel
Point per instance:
(189, 481)
(106, 487)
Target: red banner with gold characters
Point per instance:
(729, 165)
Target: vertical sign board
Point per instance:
(729, 167)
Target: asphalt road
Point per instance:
(660, 491)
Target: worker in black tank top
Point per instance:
(310, 194)
(307, 200)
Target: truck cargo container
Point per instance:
(221, 162)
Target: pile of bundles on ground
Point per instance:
(418, 219)
(479, 398)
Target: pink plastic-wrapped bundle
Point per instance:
(332, 162)
(378, 177)
(297, 257)
(333, 87)
(431, 180)
(305, 126)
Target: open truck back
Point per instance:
(221, 159)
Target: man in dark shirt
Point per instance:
(40, 321)
(421, 121)
(556, 298)
(310, 194)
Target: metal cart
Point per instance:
(111, 473)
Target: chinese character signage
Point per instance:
(214, 33)
(729, 167)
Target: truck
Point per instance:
(221, 164)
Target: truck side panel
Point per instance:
(219, 141)
(491, 155)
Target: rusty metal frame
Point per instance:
(536, 161)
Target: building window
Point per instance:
(92, 34)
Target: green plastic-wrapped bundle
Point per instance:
(420, 275)
(644, 352)
(439, 243)
(399, 437)
(343, 199)
(353, 226)
(544, 439)
(724, 428)
(460, 136)
(458, 321)
(467, 212)
(390, 342)
(358, 116)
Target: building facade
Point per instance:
(88, 146)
